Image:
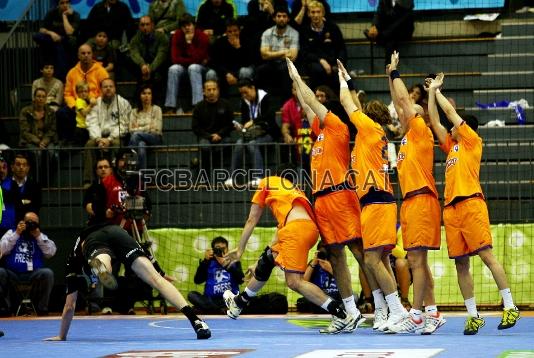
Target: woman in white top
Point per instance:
(145, 125)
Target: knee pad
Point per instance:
(265, 265)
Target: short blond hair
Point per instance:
(315, 4)
(81, 86)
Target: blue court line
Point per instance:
(266, 337)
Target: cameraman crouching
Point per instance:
(25, 250)
(218, 278)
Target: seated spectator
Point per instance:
(38, 132)
(320, 273)
(189, 53)
(232, 57)
(87, 70)
(393, 22)
(57, 37)
(104, 53)
(25, 249)
(145, 126)
(258, 126)
(165, 15)
(112, 16)
(217, 276)
(20, 192)
(148, 51)
(212, 122)
(107, 123)
(52, 86)
(322, 44)
(212, 17)
(4, 169)
(277, 43)
(84, 105)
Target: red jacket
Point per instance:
(186, 54)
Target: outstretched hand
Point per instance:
(435, 83)
(394, 62)
(293, 72)
(342, 71)
(232, 257)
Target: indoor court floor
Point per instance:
(256, 336)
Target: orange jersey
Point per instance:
(369, 158)
(330, 153)
(415, 161)
(462, 168)
(279, 195)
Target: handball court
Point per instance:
(256, 336)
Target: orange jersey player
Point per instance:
(420, 211)
(379, 210)
(296, 235)
(465, 214)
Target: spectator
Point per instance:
(257, 126)
(189, 52)
(320, 273)
(148, 50)
(212, 121)
(107, 123)
(38, 132)
(165, 14)
(112, 16)
(57, 37)
(21, 194)
(84, 105)
(322, 44)
(25, 249)
(232, 57)
(299, 9)
(52, 86)
(277, 43)
(393, 22)
(104, 53)
(218, 276)
(4, 171)
(87, 70)
(212, 17)
(145, 125)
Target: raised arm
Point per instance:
(349, 101)
(399, 92)
(66, 317)
(449, 110)
(432, 85)
(253, 217)
(305, 94)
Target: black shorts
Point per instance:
(114, 241)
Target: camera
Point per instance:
(31, 225)
(218, 251)
(321, 255)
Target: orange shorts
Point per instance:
(338, 217)
(420, 219)
(295, 240)
(467, 227)
(379, 226)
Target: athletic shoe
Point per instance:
(356, 323)
(233, 309)
(338, 325)
(202, 330)
(509, 318)
(104, 276)
(472, 325)
(381, 317)
(408, 325)
(393, 320)
(432, 323)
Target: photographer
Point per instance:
(218, 276)
(25, 250)
(320, 273)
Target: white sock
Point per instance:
(471, 306)
(507, 298)
(432, 310)
(350, 306)
(416, 314)
(379, 299)
(325, 304)
(394, 304)
(250, 293)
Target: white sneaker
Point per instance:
(381, 317)
(355, 324)
(105, 277)
(432, 323)
(338, 325)
(233, 309)
(179, 111)
(393, 320)
(408, 325)
(201, 329)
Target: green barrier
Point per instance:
(178, 251)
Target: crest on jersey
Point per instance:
(456, 148)
(404, 141)
(320, 137)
